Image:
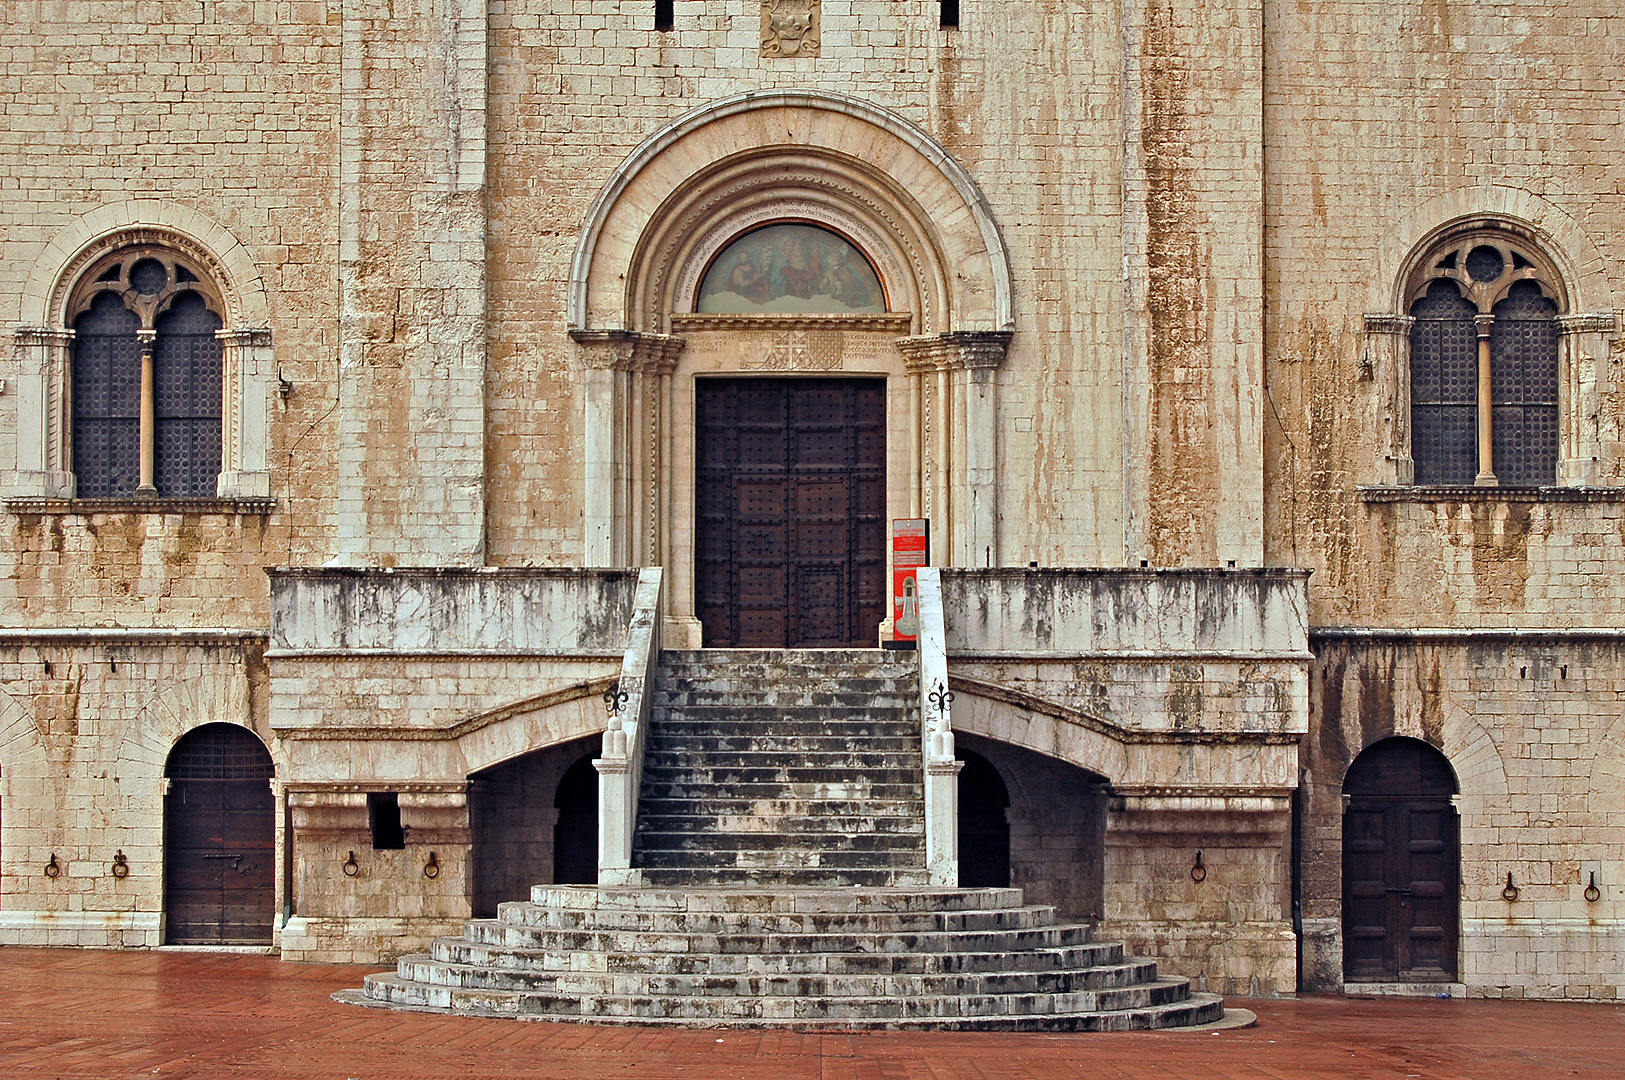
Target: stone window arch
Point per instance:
(109, 301)
(1484, 365)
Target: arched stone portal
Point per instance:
(219, 839)
(1401, 865)
(835, 167)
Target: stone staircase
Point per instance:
(780, 846)
(795, 768)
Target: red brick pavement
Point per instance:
(77, 1015)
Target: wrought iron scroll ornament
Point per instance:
(615, 699)
(940, 697)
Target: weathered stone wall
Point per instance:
(87, 722)
(1532, 727)
(513, 809)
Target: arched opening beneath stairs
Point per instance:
(534, 821)
(1053, 828)
(1401, 865)
(219, 839)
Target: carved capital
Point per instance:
(656, 353)
(961, 349)
(259, 335)
(1381, 322)
(625, 350)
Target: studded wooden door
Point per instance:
(791, 511)
(219, 843)
(1401, 865)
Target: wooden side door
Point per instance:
(1401, 867)
(220, 840)
(790, 533)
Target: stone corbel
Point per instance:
(1586, 435)
(628, 387)
(44, 468)
(1385, 368)
(956, 453)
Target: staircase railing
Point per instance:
(937, 736)
(620, 769)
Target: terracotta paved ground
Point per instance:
(90, 1014)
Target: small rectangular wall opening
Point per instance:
(950, 14)
(384, 818)
(664, 15)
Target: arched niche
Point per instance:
(695, 188)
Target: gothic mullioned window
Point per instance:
(147, 390)
(1484, 364)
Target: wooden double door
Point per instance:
(791, 511)
(1401, 866)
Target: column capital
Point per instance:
(1382, 322)
(258, 335)
(41, 335)
(1591, 322)
(958, 349)
(628, 350)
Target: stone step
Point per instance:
(667, 740)
(792, 857)
(705, 820)
(844, 790)
(838, 658)
(1139, 1008)
(787, 775)
(740, 901)
(703, 757)
(1129, 978)
(1097, 955)
(532, 915)
(783, 877)
(787, 806)
(770, 702)
(821, 846)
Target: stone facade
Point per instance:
(1149, 270)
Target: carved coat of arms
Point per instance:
(790, 27)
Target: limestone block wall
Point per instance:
(406, 682)
(1501, 115)
(513, 817)
(1530, 723)
(1187, 692)
(87, 722)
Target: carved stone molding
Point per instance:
(626, 350)
(1380, 322)
(1593, 322)
(960, 350)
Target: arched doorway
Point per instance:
(984, 828)
(575, 834)
(1401, 865)
(219, 839)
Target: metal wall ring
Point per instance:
(351, 867)
(431, 869)
(53, 868)
(121, 866)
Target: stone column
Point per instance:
(1386, 367)
(955, 383)
(1486, 400)
(43, 465)
(1582, 442)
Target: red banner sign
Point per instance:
(911, 549)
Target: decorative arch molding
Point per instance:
(1517, 212)
(148, 738)
(702, 182)
(42, 343)
(883, 155)
(1575, 275)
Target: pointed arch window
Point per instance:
(146, 377)
(1484, 364)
